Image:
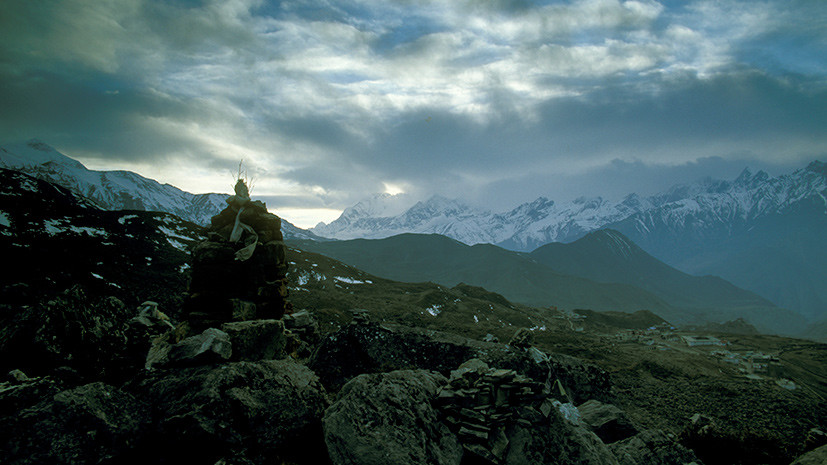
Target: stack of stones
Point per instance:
(479, 403)
(303, 333)
(239, 272)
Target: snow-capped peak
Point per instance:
(32, 153)
(542, 221)
(379, 206)
(112, 190)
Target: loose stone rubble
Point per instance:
(480, 402)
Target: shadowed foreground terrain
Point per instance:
(366, 370)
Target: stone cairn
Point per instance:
(239, 272)
(479, 403)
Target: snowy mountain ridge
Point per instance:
(747, 198)
(118, 190)
(111, 190)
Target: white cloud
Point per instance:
(315, 98)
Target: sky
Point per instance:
(495, 102)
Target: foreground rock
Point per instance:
(211, 346)
(555, 441)
(90, 424)
(607, 421)
(266, 409)
(256, 339)
(24, 392)
(387, 418)
(814, 457)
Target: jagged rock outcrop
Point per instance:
(256, 339)
(22, 392)
(652, 447)
(239, 273)
(388, 418)
(607, 421)
(558, 441)
(90, 424)
(265, 408)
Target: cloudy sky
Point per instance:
(497, 102)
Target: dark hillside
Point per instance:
(418, 258)
(610, 257)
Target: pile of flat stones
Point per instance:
(239, 272)
(479, 403)
(302, 333)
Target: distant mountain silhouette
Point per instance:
(604, 272)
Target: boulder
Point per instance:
(211, 346)
(91, 424)
(149, 325)
(256, 339)
(815, 438)
(555, 440)
(208, 412)
(814, 457)
(652, 447)
(388, 418)
(19, 394)
(522, 339)
(607, 421)
(304, 333)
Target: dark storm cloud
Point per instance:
(125, 124)
(498, 100)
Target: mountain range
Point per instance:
(118, 190)
(763, 233)
(68, 240)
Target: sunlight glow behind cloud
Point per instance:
(327, 103)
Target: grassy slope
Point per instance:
(417, 258)
(608, 256)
